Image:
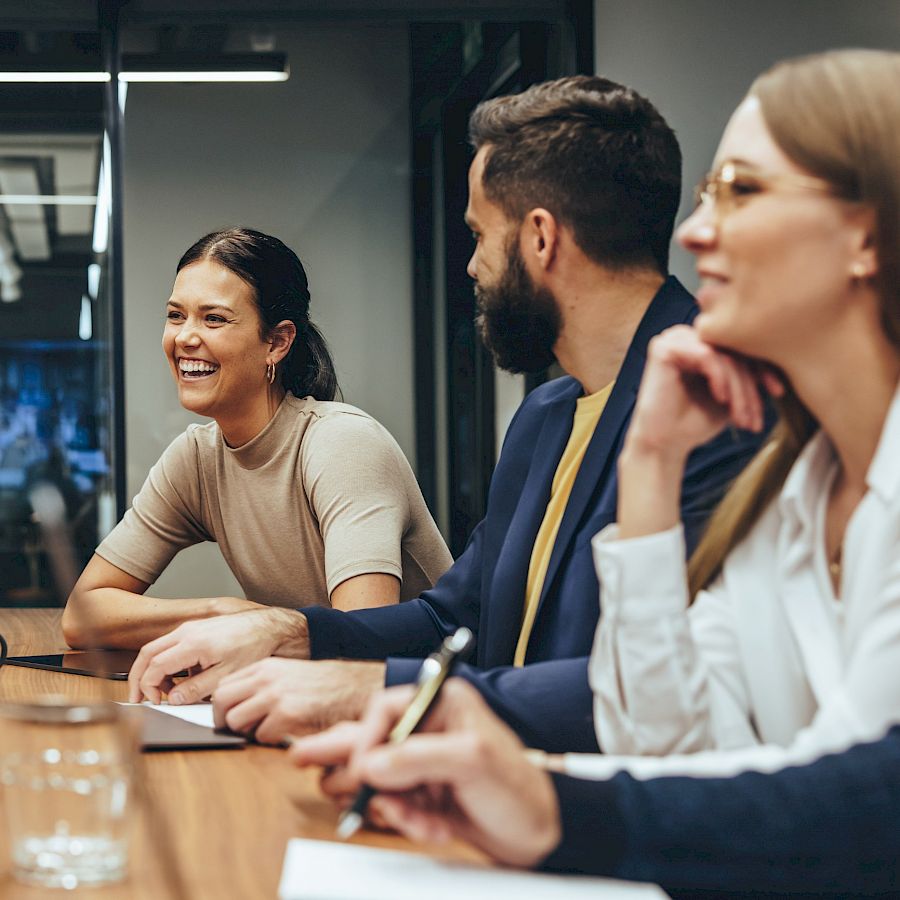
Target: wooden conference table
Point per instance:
(229, 813)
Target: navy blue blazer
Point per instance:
(548, 701)
(831, 827)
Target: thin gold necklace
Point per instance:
(834, 564)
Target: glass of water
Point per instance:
(66, 772)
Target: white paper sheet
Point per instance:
(198, 713)
(326, 870)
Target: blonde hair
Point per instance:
(837, 115)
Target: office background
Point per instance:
(326, 162)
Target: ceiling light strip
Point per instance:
(54, 77)
(48, 199)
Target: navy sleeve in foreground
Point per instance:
(548, 704)
(831, 827)
(414, 628)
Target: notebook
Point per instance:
(188, 727)
(326, 870)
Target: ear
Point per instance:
(281, 339)
(539, 237)
(864, 253)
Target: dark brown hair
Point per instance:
(595, 154)
(281, 291)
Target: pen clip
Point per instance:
(452, 648)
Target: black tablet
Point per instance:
(113, 664)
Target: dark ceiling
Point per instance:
(50, 134)
(83, 14)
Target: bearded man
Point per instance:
(573, 191)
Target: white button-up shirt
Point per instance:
(767, 667)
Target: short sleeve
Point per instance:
(164, 518)
(358, 492)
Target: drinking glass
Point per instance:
(66, 772)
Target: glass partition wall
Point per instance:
(58, 417)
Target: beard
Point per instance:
(518, 321)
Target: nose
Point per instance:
(699, 230)
(188, 335)
(471, 267)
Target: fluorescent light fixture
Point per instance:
(100, 239)
(160, 67)
(48, 199)
(10, 292)
(93, 280)
(50, 77)
(85, 320)
(199, 67)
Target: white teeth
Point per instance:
(196, 365)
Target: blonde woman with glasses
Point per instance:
(782, 639)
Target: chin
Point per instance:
(715, 329)
(195, 405)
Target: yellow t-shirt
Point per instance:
(588, 410)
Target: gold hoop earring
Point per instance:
(270, 372)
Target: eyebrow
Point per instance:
(738, 161)
(204, 307)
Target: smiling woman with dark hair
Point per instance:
(310, 500)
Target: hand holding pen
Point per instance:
(432, 675)
(464, 774)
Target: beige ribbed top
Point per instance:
(321, 494)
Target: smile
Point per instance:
(196, 368)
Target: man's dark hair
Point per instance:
(595, 154)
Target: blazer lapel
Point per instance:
(671, 305)
(503, 613)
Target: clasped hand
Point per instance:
(691, 390)
(215, 646)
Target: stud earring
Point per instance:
(270, 372)
(858, 271)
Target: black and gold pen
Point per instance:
(432, 674)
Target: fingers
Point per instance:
(233, 689)
(381, 715)
(451, 759)
(247, 715)
(772, 381)
(276, 725)
(410, 820)
(164, 664)
(732, 382)
(328, 748)
(339, 783)
(744, 403)
(196, 688)
(143, 660)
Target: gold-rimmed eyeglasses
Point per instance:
(732, 184)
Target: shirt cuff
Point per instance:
(650, 569)
(324, 641)
(593, 828)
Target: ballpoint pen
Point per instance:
(432, 674)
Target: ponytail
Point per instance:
(308, 370)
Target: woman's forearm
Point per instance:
(649, 490)
(117, 618)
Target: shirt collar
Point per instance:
(809, 473)
(883, 476)
(803, 484)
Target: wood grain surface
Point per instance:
(207, 824)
